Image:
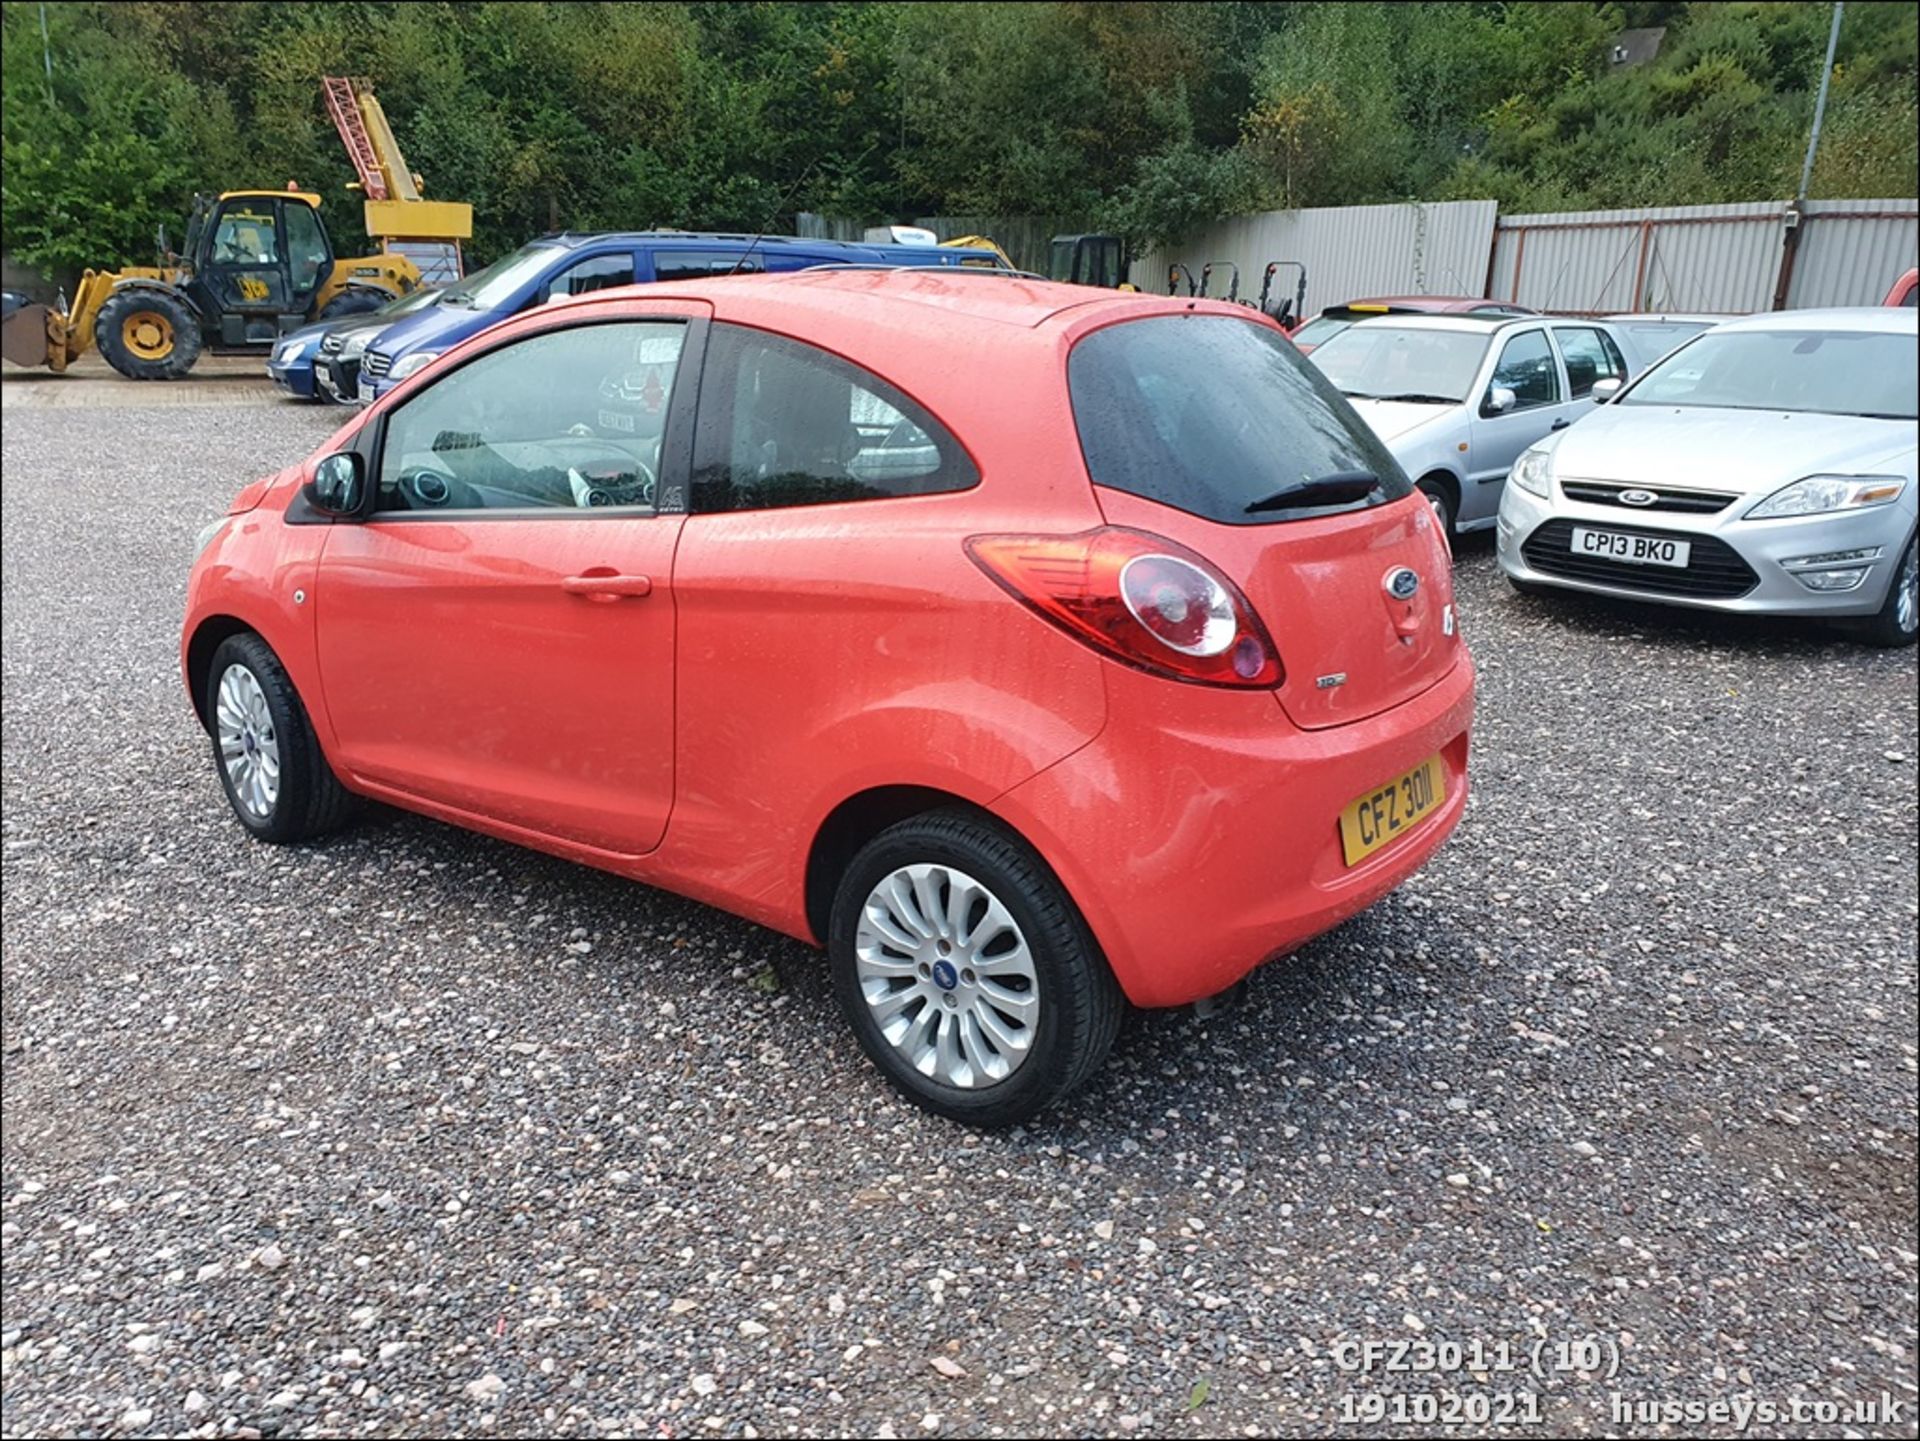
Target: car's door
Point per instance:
(496, 635)
(1524, 362)
(1591, 356)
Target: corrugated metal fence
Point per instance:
(1716, 259)
(1721, 259)
(1852, 250)
(1349, 251)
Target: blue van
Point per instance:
(556, 266)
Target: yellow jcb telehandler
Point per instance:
(257, 264)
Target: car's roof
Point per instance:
(572, 239)
(1463, 321)
(892, 295)
(1433, 303)
(1667, 317)
(1888, 319)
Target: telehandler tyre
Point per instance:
(353, 302)
(148, 334)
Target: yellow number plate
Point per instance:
(1381, 817)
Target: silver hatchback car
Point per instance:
(1456, 398)
(1767, 465)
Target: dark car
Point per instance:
(557, 267)
(1336, 318)
(336, 368)
(295, 363)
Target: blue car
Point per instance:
(294, 362)
(557, 266)
(290, 364)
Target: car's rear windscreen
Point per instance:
(1222, 418)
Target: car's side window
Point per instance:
(564, 420)
(1526, 367)
(783, 424)
(1591, 356)
(692, 264)
(599, 272)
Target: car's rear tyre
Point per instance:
(1898, 621)
(270, 764)
(966, 972)
(147, 334)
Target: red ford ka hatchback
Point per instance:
(1034, 649)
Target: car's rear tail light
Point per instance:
(1139, 598)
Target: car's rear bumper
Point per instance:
(1776, 551)
(1199, 833)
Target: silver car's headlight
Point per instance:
(413, 364)
(1533, 473)
(1818, 494)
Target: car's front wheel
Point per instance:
(270, 763)
(1897, 622)
(967, 973)
(1446, 511)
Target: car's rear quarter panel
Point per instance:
(827, 650)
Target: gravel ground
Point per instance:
(416, 1132)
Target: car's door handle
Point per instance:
(1561, 424)
(608, 585)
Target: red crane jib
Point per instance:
(344, 107)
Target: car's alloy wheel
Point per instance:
(1906, 590)
(249, 744)
(1897, 622)
(948, 976)
(270, 763)
(965, 970)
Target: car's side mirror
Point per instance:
(338, 485)
(1605, 390)
(1499, 401)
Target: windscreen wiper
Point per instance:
(1340, 487)
(1414, 397)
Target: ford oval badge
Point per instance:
(1402, 583)
(1638, 497)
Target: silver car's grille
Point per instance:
(1686, 502)
(376, 362)
(1714, 569)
